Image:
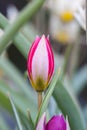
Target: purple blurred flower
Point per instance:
(55, 123)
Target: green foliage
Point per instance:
(15, 113)
(69, 106)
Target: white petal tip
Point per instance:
(41, 123)
(67, 124)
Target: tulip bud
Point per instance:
(58, 122)
(55, 123)
(40, 63)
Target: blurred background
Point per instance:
(65, 23)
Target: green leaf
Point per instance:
(47, 96)
(22, 18)
(26, 95)
(67, 103)
(20, 102)
(20, 41)
(30, 120)
(15, 113)
(19, 98)
(4, 102)
(29, 31)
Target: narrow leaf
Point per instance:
(30, 120)
(12, 72)
(19, 40)
(15, 113)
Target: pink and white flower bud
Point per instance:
(40, 63)
(57, 122)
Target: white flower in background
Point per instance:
(64, 32)
(80, 15)
(64, 9)
(63, 26)
(12, 12)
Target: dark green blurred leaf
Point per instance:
(4, 101)
(67, 103)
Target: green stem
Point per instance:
(66, 58)
(39, 99)
(22, 18)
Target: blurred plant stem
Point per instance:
(30, 120)
(73, 60)
(39, 99)
(22, 18)
(66, 58)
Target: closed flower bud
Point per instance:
(40, 63)
(55, 123)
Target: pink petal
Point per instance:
(31, 53)
(42, 123)
(40, 61)
(50, 57)
(56, 123)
